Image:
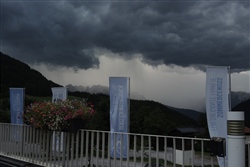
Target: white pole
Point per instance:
(236, 139)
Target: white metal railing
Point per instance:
(90, 147)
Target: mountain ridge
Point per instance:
(15, 73)
(244, 106)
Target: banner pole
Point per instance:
(229, 95)
(128, 105)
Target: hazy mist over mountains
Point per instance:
(95, 89)
(236, 97)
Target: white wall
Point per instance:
(184, 157)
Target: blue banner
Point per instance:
(119, 116)
(16, 105)
(218, 103)
(59, 93)
(16, 112)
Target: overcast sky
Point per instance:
(163, 46)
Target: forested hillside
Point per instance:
(145, 116)
(14, 73)
(244, 106)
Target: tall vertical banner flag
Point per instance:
(16, 105)
(16, 112)
(119, 116)
(218, 103)
(58, 93)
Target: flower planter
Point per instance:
(74, 125)
(59, 115)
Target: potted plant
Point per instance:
(67, 115)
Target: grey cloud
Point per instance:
(186, 34)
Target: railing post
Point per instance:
(68, 148)
(81, 146)
(142, 150)
(54, 147)
(97, 148)
(248, 153)
(149, 150)
(47, 147)
(157, 150)
(134, 150)
(192, 152)
(109, 145)
(40, 145)
(121, 148)
(64, 149)
(77, 147)
(128, 145)
(183, 151)
(72, 148)
(202, 153)
(87, 148)
(92, 148)
(165, 151)
(103, 147)
(115, 145)
(174, 152)
(29, 143)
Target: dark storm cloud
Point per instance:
(66, 33)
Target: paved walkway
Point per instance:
(99, 162)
